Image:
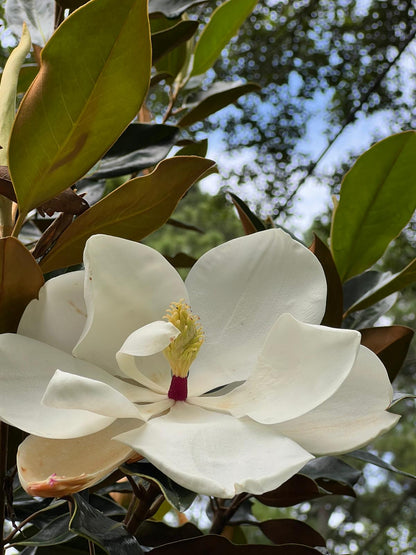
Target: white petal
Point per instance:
(127, 285)
(26, 366)
(68, 391)
(216, 454)
(58, 467)
(59, 315)
(300, 366)
(353, 416)
(152, 371)
(239, 289)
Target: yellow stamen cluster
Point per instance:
(182, 351)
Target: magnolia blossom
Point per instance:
(227, 383)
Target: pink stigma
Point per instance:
(52, 481)
(178, 390)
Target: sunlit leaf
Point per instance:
(194, 148)
(334, 303)
(86, 92)
(218, 96)
(380, 183)
(132, 211)
(21, 279)
(222, 26)
(390, 343)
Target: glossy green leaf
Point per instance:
(178, 496)
(8, 90)
(20, 281)
(88, 89)
(331, 468)
(172, 8)
(111, 536)
(223, 25)
(54, 533)
(287, 531)
(390, 344)
(140, 146)
(168, 39)
(380, 185)
(210, 544)
(218, 96)
(334, 295)
(367, 457)
(26, 76)
(390, 284)
(132, 211)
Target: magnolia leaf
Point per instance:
(331, 469)
(251, 223)
(132, 211)
(222, 26)
(172, 8)
(367, 457)
(183, 225)
(168, 39)
(218, 96)
(390, 344)
(194, 148)
(71, 4)
(207, 545)
(368, 317)
(6, 185)
(111, 536)
(21, 279)
(295, 490)
(68, 202)
(153, 534)
(385, 287)
(178, 496)
(140, 146)
(398, 397)
(334, 302)
(287, 531)
(26, 76)
(86, 92)
(380, 181)
(181, 260)
(39, 16)
(54, 533)
(8, 90)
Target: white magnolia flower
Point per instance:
(98, 372)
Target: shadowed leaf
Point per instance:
(21, 279)
(367, 457)
(154, 534)
(181, 260)
(287, 530)
(251, 223)
(218, 96)
(140, 146)
(334, 302)
(54, 533)
(171, 8)
(165, 41)
(88, 522)
(67, 201)
(296, 490)
(390, 344)
(75, 119)
(132, 211)
(208, 545)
